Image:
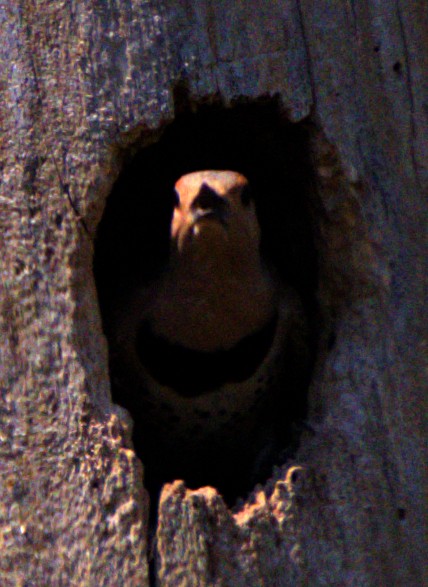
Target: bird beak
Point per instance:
(218, 213)
(208, 204)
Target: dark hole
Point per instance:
(294, 476)
(132, 248)
(397, 67)
(376, 48)
(203, 414)
(20, 266)
(331, 340)
(401, 513)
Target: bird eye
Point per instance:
(246, 195)
(176, 199)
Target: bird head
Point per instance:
(214, 210)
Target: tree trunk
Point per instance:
(82, 83)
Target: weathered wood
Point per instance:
(80, 82)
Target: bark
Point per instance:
(80, 82)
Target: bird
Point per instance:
(205, 354)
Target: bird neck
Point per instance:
(208, 304)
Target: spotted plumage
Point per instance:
(201, 354)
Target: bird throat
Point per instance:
(210, 306)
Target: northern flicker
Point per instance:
(203, 351)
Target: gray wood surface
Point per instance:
(79, 82)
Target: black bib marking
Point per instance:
(192, 373)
